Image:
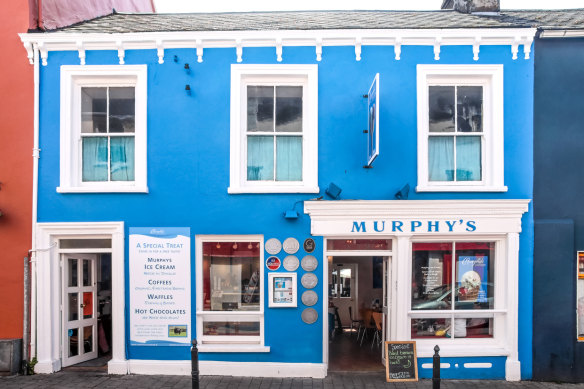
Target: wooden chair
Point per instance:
(378, 319)
(354, 322)
(366, 315)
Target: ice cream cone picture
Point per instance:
(470, 283)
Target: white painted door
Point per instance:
(386, 304)
(344, 290)
(79, 308)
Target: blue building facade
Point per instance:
(236, 144)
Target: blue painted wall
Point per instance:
(188, 160)
(558, 188)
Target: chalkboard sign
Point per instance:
(401, 363)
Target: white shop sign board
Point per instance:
(160, 286)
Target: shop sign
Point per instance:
(309, 245)
(413, 226)
(273, 263)
(401, 362)
(160, 286)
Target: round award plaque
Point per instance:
(309, 315)
(309, 298)
(273, 246)
(291, 246)
(309, 280)
(291, 263)
(309, 263)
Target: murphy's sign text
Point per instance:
(389, 226)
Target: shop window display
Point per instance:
(452, 289)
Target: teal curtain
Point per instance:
(441, 158)
(260, 158)
(94, 165)
(122, 158)
(468, 158)
(288, 158)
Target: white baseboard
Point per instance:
(238, 369)
(47, 367)
(116, 366)
(512, 370)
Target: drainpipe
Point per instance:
(35, 185)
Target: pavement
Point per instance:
(66, 380)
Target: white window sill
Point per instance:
(102, 189)
(460, 188)
(471, 348)
(233, 348)
(273, 189)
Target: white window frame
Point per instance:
(73, 78)
(490, 77)
(229, 343)
(241, 77)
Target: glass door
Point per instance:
(343, 290)
(79, 339)
(385, 305)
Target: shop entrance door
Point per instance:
(79, 310)
(344, 290)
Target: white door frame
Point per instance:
(46, 313)
(325, 271)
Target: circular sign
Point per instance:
(273, 263)
(309, 245)
(309, 280)
(309, 263)
(291, 246)
(273, 246)
(291, 263)
(309, 315)
(309, 298)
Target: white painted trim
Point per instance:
(74, 77)
(233, 348)
(158, 41)
(490, 77)
(236, 343)
(294, 302)
(307, 77)
(236, 369)
(561, 34)
(48, 332)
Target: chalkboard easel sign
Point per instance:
(401, 362)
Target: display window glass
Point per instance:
(453, 284)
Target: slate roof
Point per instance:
(327, 20)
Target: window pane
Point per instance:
(95, 159)
(85, 243)
(72, 263)
(468, 158)
(73, 342)
(88, 339)
(260, 158)
(260, 108)
(441, 104)
(441, 158)
(430, 328)
(122, 158)
(231, 279)
(288, 158)
(475, 275)
(432, 276)
(93, 110)
(358, 244)
(289, 109)
(122, 109)
(469, 108)
(231, 328)
(345, 282)
(73, 306)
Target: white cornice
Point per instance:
(278, 39)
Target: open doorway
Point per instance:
(358, 301)
(87, 311)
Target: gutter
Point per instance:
(561, 33)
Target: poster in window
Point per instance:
(282, 289)
(373, 121)
(472, 278)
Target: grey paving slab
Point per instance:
(74, 380)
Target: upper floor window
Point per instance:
(103, 129)
(460, 128)
(273, 129)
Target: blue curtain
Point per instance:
(441, 158)
(260, 158)
(122, 158)
(288, 158)
(94, 166)
(468, 158)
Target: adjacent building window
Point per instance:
(453, 290)
(273, 129)
(460, 128)
(230, 290)
(580, 297)
(103, 129)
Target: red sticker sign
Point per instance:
(273, 263)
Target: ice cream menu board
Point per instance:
(401, 362)
(472, 278)
(160, 286)
(283, 290)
